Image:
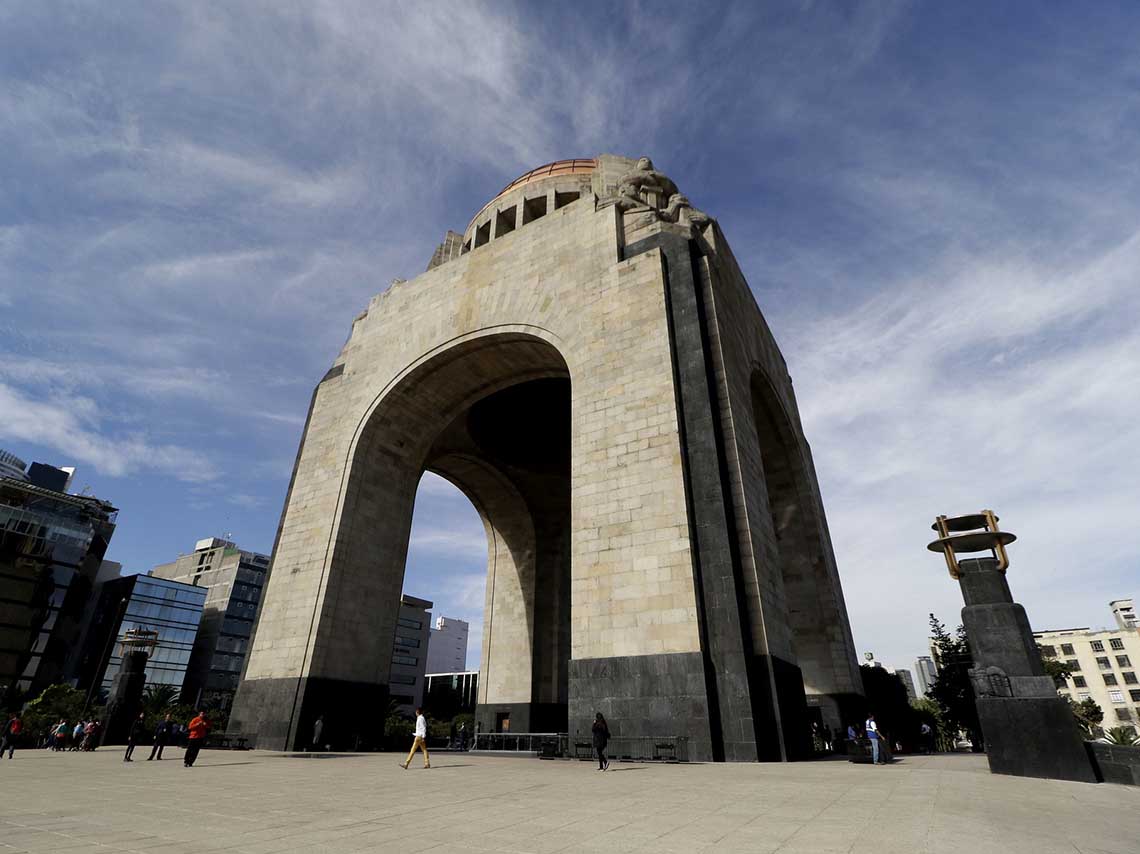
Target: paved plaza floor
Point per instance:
(258, 802)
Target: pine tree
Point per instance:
(952, 690)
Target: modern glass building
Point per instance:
(51, 546)
(171, 608)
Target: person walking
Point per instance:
(463, 736)
(601, 731)
(77, 735)
(873, 734)
(11, 734)
(161, 736)
(133, 733)
(61, 731)
(420, 741)
(318, 728)
(927, 737)
(198, 728)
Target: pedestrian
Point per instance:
(601, 731)
(161, 735)
(318, 728)
(198, 728)
(77, 735)
(11, 734)
(134, 732)
(92, 740)
(463, 736)
(873, 734)
(88, 730)
(927, 737)
(61, 731)
(453, 737)
(420, 741)
(828, 737)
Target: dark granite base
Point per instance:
(279, 714)
(792, 703)
(643, 696)
(524, 717)
(1115, 763)
(1033, 737)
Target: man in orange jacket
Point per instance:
(198, 728)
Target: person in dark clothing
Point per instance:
(318, 729)
(133, 734)
(601, 732)
(162, 735)
(11, 733)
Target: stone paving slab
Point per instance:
(265, 803)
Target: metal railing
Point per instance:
(561, 745)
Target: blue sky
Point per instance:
(937, 207)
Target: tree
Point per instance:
(1088, 715)
(887, 700)
(57, 702)
(951, 689)
(930, 713)
(1122, 735)
(1054, 667)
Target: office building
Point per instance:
(409, 653)
(908, 682)
(447, 647)
(170, 608)
(925, 672)
(51, 548)
(233, 579)
(12, 466)
(1104, 666)
(1124, 613)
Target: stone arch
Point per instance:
(429, 418)
(815, 614)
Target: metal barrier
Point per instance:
(560, 745)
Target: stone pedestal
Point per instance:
(126, 697)
(1028, 729)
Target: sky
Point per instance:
(937, 207)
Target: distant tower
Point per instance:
(1124, 613)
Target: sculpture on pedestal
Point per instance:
(1029, 729)
(127, 686)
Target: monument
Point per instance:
(1029, 730)
(127, 686)
(588, 365)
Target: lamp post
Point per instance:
(1028, 729)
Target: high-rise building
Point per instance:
(447, 647)
(170, 608)
(908, 682)
(1124, 613)
(925, 671)
(12, 466)
(233, 579)
(1104, 666)
(409, 653)
(51, 547)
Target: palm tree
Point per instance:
(157, 698)
(1122, 735)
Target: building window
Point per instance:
(1135, 695)
(402, 641)
(411, 661)
(1109, 679)
(1084, 695)
(409, 624)
(1097, 646)
(1067, 649)
(1104, 663)
(1116, 643)
(1049, 651)
(1079, 682)
(1073, 665)
(1129, 678)
(1123, 715)
(1122, 661)
(1116, 696)
(398, 679)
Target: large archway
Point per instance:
(490, 414)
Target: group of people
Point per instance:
(83, 736)
(196, 732)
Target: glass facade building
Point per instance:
(172, 609)
(51, 548)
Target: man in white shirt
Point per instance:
(421, 741)
(873, 734)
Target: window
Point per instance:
(1123, 715)
(1135, 695)
(1129, 678)
(1104, 663)
(409, 624)
(1097, 646)
(1084, 695)
(1122, 661)
(1073, 665)
(561, 200)
(505, 221)
(409, 642)
(534, 209)
(1049, 651)
(1116, 643)
(1079, 682)
(398, 679)
(411, 660)
(1067, 649)
(483, 234)
(1109, 679)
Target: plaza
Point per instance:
(260, 802)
